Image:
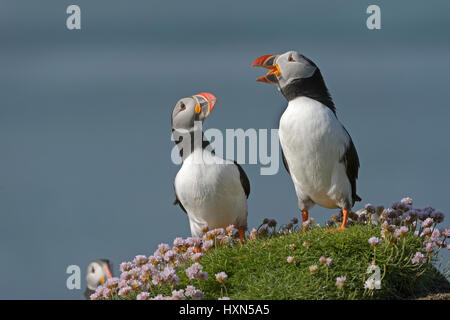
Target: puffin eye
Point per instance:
(290, 59)
(92, 270)
(182, 106)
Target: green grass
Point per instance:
(259, 269)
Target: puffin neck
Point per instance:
(313, 87)
(194, 145)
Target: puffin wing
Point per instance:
(244, 179)
(351, 162)
(177, 201)
(285, 161)
(282, 152)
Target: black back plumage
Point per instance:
(351, 162)
(244, 179)
(285, 161)
(177, 201)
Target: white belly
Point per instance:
(212, 194)
(314, 141)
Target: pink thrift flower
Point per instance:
(140, 260)
(400, 232)
(221, 277)
(178, 295)
(374, 241)
(253, 234)
(408, 201)
(427, 231)
(313, 269)
(163, 248)
(123, 292)
(107, 293)
(418, 258)
(126, 266)
(195, 272)
(436, 236)
(196, 257)
(112, 283)
(429, 247)
(446, 233)
(207, 244)
(143, 296)
(155, 259)
(178, 242)
(192, 292)
(340, 281)
(427, 223)
(230, 229)
(95, 296)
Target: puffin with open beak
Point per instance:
(98, 271)
(318, 152)
(212, 191)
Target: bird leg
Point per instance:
(304, 215)
(304, 218)
(197, 250)
(241, 235)
(344, 221)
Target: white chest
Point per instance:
(309, 127)
(211, 193)
(313, 141)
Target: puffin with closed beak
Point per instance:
(212, 191)
(317, 150)
(98, 271)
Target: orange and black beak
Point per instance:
(108, 275)
(268, 62)
(205, 103)
(108, 272)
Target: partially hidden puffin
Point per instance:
(98, 271)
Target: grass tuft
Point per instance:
(258, 269)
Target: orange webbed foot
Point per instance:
(241, 235)
(304, 219)
(344, 222)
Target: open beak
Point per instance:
(205, 103)
(108, 272)
(268, 62)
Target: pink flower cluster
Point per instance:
(160, 269)
(402, 218)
